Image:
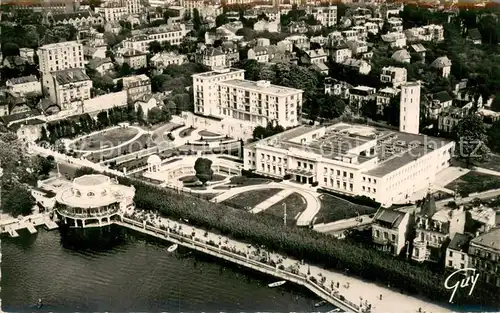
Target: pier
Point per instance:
(244, 260)
(31, 222)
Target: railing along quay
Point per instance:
(221, 253)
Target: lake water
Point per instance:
(114, 269)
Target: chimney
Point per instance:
(70, 75)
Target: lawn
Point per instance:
(107, 139)
(493, 163)
(474, 182)
(192, 179)
(249, 199)
(206, 133)
(143, 142)
(334, 209)
(186, 132)
(295, 204)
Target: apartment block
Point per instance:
(205, 89)
(112, 11)
(384, 165)
(71, 88)
(484, 252)
(136, 86)
(57, 57)
(260, 102)
(393, 75)
(327, 16)
(409, 108)
(24, 85)
(171, 34)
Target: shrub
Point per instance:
(361, 200)
(314, 184)
(287, 177)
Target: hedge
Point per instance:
(304, 243)
(361, 200)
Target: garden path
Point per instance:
(486, 171)
(271, 201)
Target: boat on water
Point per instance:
(172, 248)
(321, 303)
(277, 284)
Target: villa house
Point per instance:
(389, 230)
(443, 66)
(434, 230)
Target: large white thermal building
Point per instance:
(225, 93)
(384, 165)
(57, 57)
(409, 108)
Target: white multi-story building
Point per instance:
(260, 102)
(60, 56)
(164, 59)
(426, 33)
(327, 16)
(205, 89)
(171, 34)
(395, 39)
(57, 57)
(384, 165)
(393, 75)
(134, 6)
(112, 11)
(71, 88)
(211, 57)
(225, 93)
(409, 110)
(24, 85)
(395, 24)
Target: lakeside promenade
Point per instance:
(351, 295)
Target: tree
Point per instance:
(494, 137)
(125, 70)
(221, 20)
(196, 20)
(203, 168)
(369, 109)
(154, 47)
(140, 114)
(471, 139)
(10, 49)
(17, 201)
(45, 165)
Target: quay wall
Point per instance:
(344, 305)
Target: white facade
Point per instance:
(327, 16)
(71, 88)
(173, 35)
(112, 12)
(260, 102)
(164, 59)
(381, 164)
(205, 89)
(136, 86)
(394, 75)
(57, 57)
(24, 85)
(225, 93)
(409, 111)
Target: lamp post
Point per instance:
(284, 214)
(407, 249)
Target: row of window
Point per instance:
(344, 184)
(332, 172)
(385, 235)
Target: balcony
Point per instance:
(380, 240)
(417, 243)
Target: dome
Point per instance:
(89, 191)
(154, 159)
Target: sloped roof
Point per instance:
(69, 76)
(418, 48)
(442, 96)
(23, 79)
(96, 62)
(391, 217)
(74, 15)
(441, 62)
(460, 242)
(401, 55)
(490, 239)
(474, 34)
